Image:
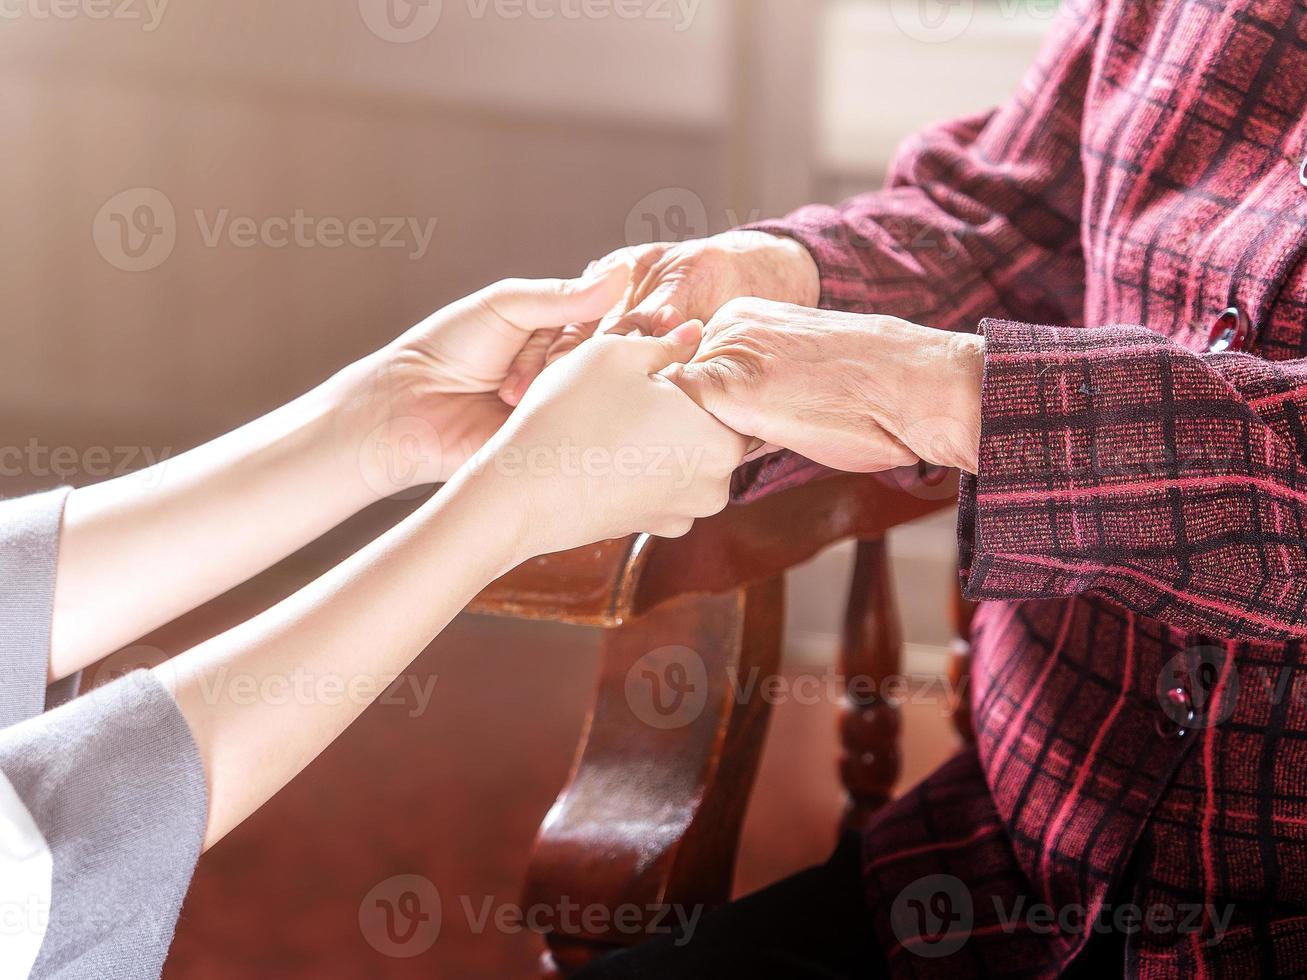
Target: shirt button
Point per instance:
(1231, 331)
(1302, 172)
(1178, 714)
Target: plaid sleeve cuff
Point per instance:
(1116, 461)
(1058, 431)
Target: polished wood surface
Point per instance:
(652, 813)
(871, 654)
(651, 816)
(608, 584)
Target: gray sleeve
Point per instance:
(115, 783)
(29, 549)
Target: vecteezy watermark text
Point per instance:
(137, 230)
(301, 230)
(935, 916)
(34, 458)
(148, 13)
(407, 21)
(402, 917)
(306, 688)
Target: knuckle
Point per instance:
(739, 308)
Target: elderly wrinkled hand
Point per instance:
(853, 392)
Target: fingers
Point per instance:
(655, 316)
(527, 366)
(704, 382)
(677, 347)
(569, 339)
(574, 305)
(655, 303)
(535, 304)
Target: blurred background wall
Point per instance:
(159, 152)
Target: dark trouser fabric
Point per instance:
(813, 926)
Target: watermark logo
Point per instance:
(119, 682)
(401, 21)
(933, 21)
(938, 21)
(398, 457)
(1190, 692)
(678, 214)
(136, 229)
(933, 916)
(671, 214)
(667, 688)
(401, 916)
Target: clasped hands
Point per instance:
(641, 387)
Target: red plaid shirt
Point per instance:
(1137, 532)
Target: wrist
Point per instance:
(935, 394)
(494, 511)
(772, 266)
(964, 355)
(380, 443)
(801, 276)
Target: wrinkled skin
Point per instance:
(853, 392)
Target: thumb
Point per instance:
(534, 304)
(676, 348)
(702, 381)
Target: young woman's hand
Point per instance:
(603, 446)
(667, 283)
(401, 418)
(431, 397)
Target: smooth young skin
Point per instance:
(404, 417)
(361, 624)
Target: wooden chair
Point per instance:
(653, 810)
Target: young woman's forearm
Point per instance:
(320, 657)
(359, 627)
(138, 551)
